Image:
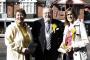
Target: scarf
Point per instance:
(69, 37)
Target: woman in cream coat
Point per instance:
(17, 38)
(75, 38)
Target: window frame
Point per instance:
(30, 7)
(1, 7)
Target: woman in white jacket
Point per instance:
(17, 38)
(75, 38)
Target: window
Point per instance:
(2, 7)
(62, 7)
(29, 7)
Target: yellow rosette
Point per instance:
(54, 26)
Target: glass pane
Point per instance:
(29, 7)
(4, 7)
(0, 7)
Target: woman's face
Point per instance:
(69, 16)
(19, 17)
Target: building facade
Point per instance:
(8, 7)
(34, 9)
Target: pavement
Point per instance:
(3, 49)
(88, 49)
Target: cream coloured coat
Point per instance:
(80, 41)
(14, 42)
(80, 30)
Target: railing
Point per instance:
(12, 19)
(5, 21)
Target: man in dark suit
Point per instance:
(48, 34)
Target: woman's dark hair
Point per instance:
(73, 14)
(21, 11)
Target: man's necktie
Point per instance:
(48, 36)
(47, 27)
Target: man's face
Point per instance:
(46, 14)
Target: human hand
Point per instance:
(69, 49)
(27, 51)
(61, 50)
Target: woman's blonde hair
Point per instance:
(73, 14)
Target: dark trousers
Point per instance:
(46, 55)
(50, 55)
(27, 56)
(68, 56)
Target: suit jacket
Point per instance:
(38, 31)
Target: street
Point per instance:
(3, 49)
(88, 49)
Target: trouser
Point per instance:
(27, 57)
(50, 55)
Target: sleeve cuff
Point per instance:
(23, 50)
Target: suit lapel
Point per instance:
(42, 37)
